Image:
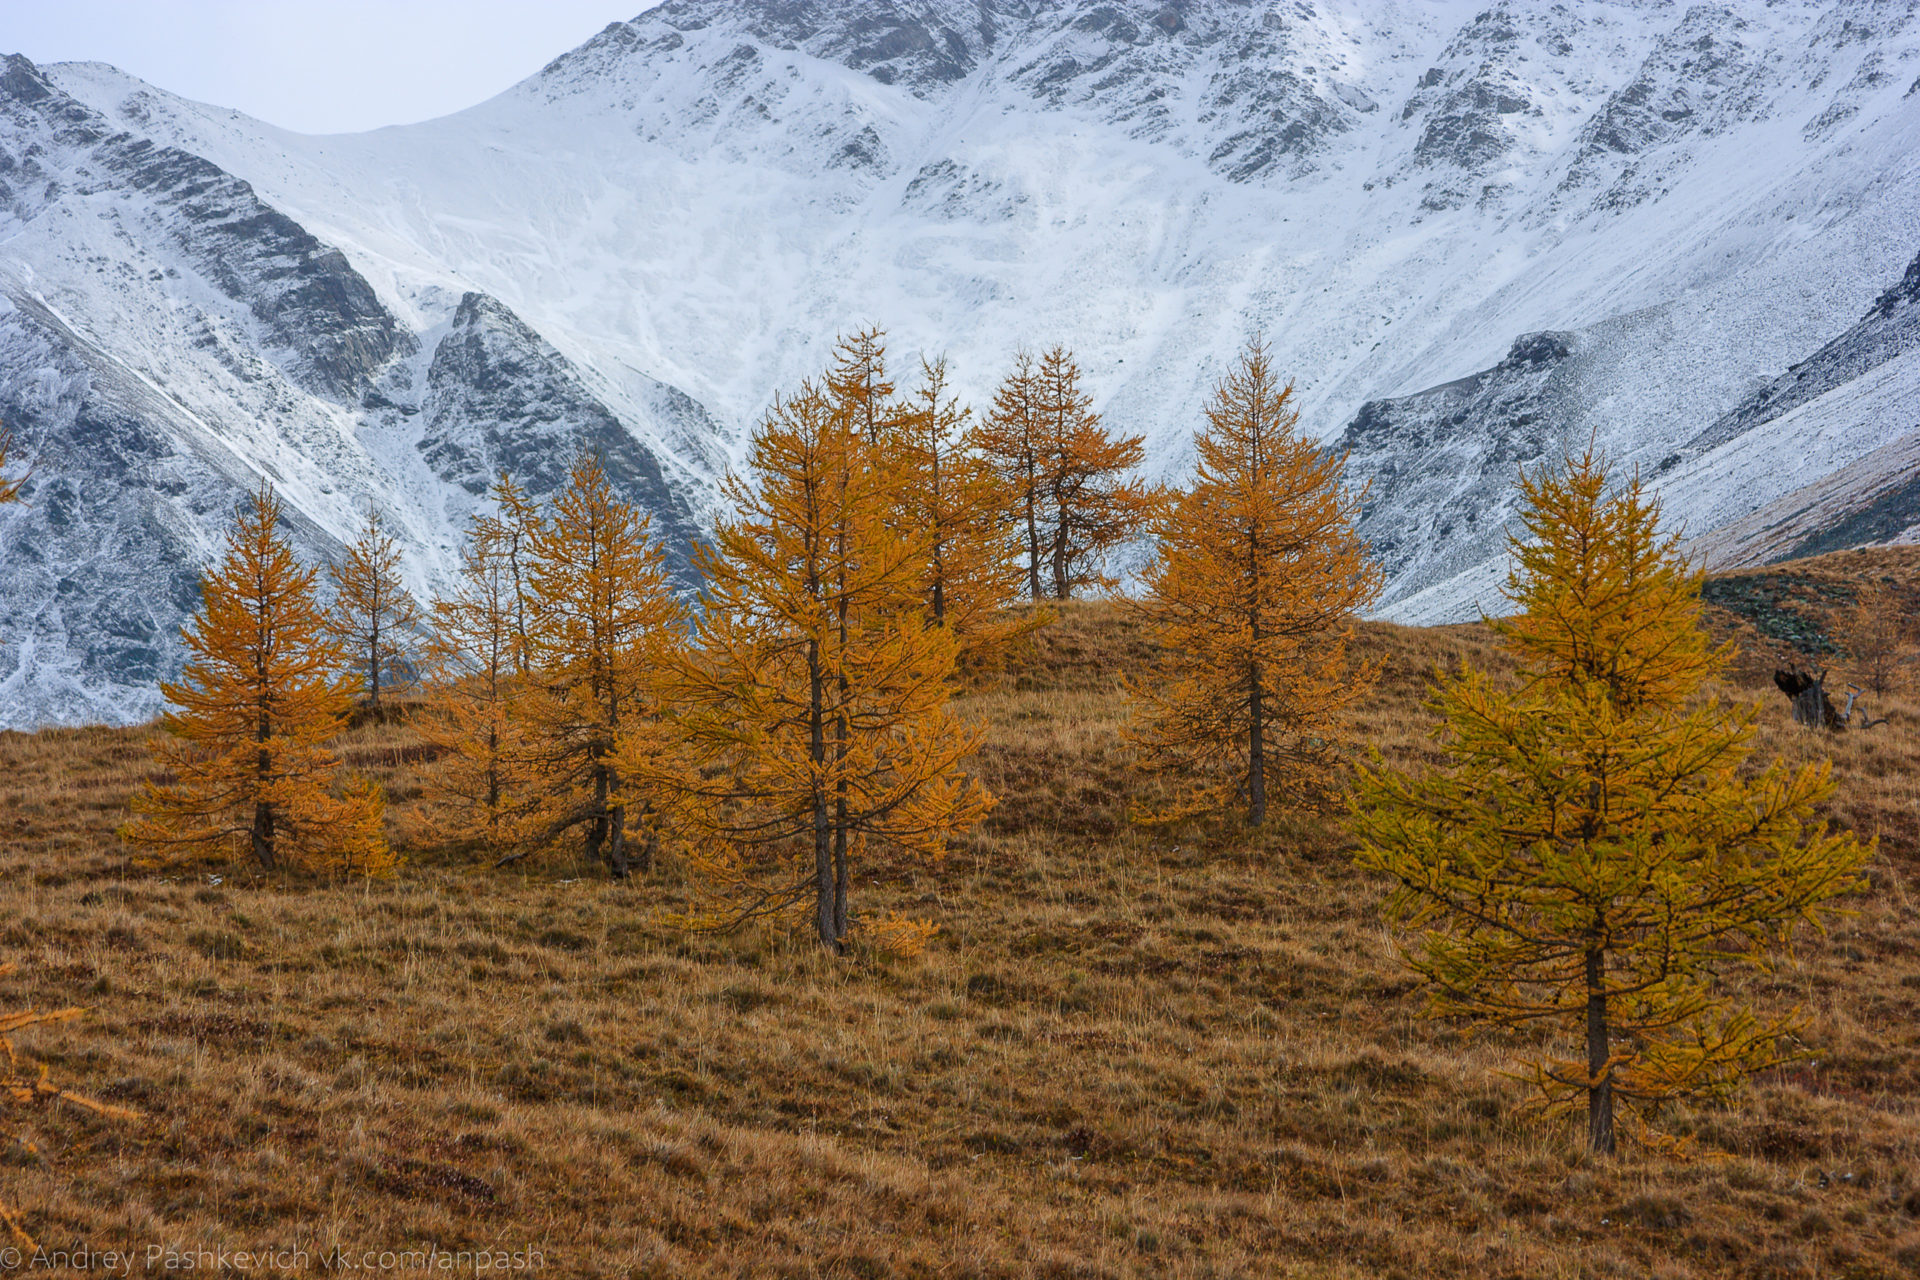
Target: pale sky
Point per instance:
(317, 66)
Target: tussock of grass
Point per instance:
(1128, 1052)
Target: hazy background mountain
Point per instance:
(1473, 233)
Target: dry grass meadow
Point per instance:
(1128, 1053)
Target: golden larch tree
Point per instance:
(1013, 442)
(1595, 855)
(470, 712)
(1095, 500)
(374, 615)
(1258, 576)
(954, 503)
(507, 535)
(858, 387)
(603, 624)
(1877, 631)
(815, 706)
(249, 722)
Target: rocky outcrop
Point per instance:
(169, 341)
(1889, 329)
(1439, 465)
(498, 397)
(314, 310)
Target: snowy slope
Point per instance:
(671, 222)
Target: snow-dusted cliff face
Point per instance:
(1472, 231)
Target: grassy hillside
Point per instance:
(1127, 1053)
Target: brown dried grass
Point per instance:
(1127, 1052)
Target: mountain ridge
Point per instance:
(679, 214)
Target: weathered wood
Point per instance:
(1808, 692)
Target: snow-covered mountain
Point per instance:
(1473, 232)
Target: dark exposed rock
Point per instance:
(138, 461)
(306, 296)
(919, 46)
(1440, 463)
(1890, 328)
(1700, 77)
(100, 561)
(1890, 514)
(500, 397)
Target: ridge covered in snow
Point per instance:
(1472, 232)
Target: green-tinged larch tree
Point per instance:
(374, 615)
(250, 720)
(815, 706)
(602, 625)
(1252, 596)
(470, 712)
(952, 500)
(1087, 475)
(1595, 856)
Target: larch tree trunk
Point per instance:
(1599, 1050)
(263, 834)
(1256, 751)
(822, 812)
(1033, 539)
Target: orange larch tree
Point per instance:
(858, 387)
(250, 720)
(1095, 502)
(815, 707)
(1258, 577)
(603, 625)
(952, 499)
(470, 712)
(1013, 442)
(374, 615)
(507, 535)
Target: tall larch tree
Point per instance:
(1091, 492)
(250, 719)
(506, 534)
(374, 615)
(1252, 596)
(471, 713)
(858, 387)
(1013, 441)
(815, 707)
(1878, 634)
(958, 506)
(1595, 855)
(603, 625)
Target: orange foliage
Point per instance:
(815, 711)
(9, 489)
(603, 625)
(375, 617)
(1252, 597)
(470, 711)
(1068, 481)
(251, 716)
